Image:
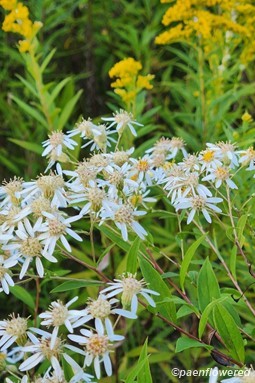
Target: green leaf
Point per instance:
(187, 259)
(156, 283)
(71, 285)
(29, 86)
(33, 147)
(132, 256)
(240, 228)
(131, 378)
(9, 164)
(57, 89)
(47, 60)
(206, 313)
(31, 111)
(185, 310)
(67, 110)
(232, 260)
(23, 295)
(144, 375)
(229, 332)
(207, 285)
(185, 343)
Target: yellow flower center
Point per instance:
(97, 344)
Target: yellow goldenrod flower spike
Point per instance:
(212, 23)
(17, 21)
(125, 68)
(9, 5)
(128, 82)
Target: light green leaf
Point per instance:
(206, 313)
(29, 86)
(240, 228)
(47, 60)
(156, 283)
(57, 89)
(33, 147)
(185, 343)
(131, 378)
(144, 375)
(207, 285)
(132, 256)
(187, 259)
(71, 285)
(9, 164)
(232, 260)
(229, 332)
(67, 110)
(31, 111)
(23, 295)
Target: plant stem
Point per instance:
(202, 92)
(235, 283)
(91, 235)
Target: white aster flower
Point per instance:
(142, 170)
(247, 157)
(176, 144)
(12, 330)
(118, 178)
(101, 139)
(10, 192)
(122, 119)
(29, 247)
(50, 186)
(42, 349)
(140, 198)
(208, 159)
(56, 228)
(93, 196)
(161, 147)
(56, 142)
(5, 278)
(120, 157)
(190, 164)
(85, 128)
(219, 175)
(37, 207)
(97, 347)
(226, 152)
(82, 176)
(197, 204)
(185, 185)
(100, 310)
(129, 287)
(124, 216)
(58, 315)
(8, 221)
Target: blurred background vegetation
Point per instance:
(89, 36)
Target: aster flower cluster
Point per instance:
(198, 183)
(94, 343)
(109, 187)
